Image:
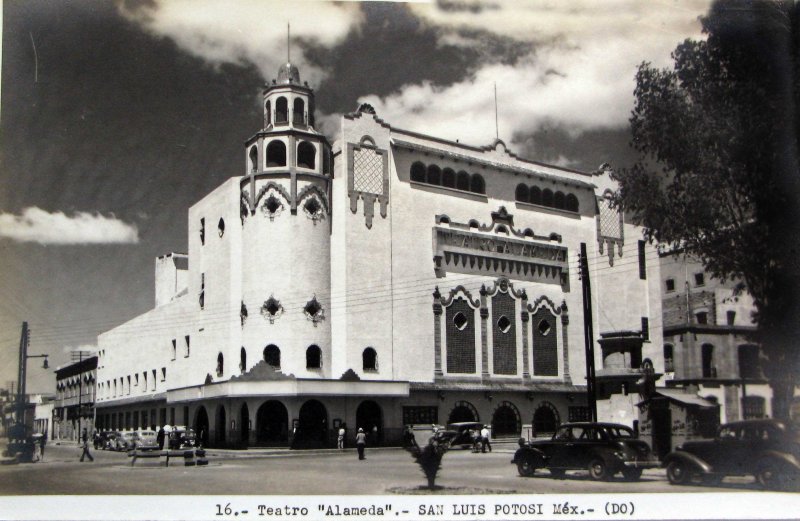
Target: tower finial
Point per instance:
(288, 47)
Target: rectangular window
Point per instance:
(163, 374)
(642, 264)
(420, 414)
(129, 385)
(579, 413)
(136, 380)
(202, 290)
(174, 348)
(731, 316)
(186, 339)
(645, 329)
(699, 279)
(154, 379)
(702, 317)
(670, 283)
(203, 231)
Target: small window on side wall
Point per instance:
(370, 359)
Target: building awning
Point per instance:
(289, 387)
(132, 400)
(681, 397)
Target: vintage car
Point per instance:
(602, 448)
(124, 441)
(767, 449)
(182, 437)
(460, 434)
(144, 440)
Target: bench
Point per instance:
(136, 454)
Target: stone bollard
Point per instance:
(201, 457)
(188, 458)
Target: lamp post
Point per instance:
(23, 363)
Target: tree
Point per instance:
(717, 174)
(429, 459)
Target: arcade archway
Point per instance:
(201, 425)
(312, 426)
(505, 421)
(272, 424)
(463, 412)
(369, 416)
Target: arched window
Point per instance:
(536, 195)
(462, 183)
(306, 155)
(272, 355)
(313, 357)
(418, 172)
(434, 176)
(267, 114)
(559, 200)
(477, 185)
(449, 178)
(254, 158)
(669, 360)
(276, 154)
(707, 353)
(571, 203)
(299, 112)
(220, 364)
(370, 359)
(243, 360)
(547, 197)
(521, 194)
(281, 111)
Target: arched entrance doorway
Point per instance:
(272, 424)
(201, 425)
(505, 421)
(220, 424)
(312, 426)
(244, 425)
(545, 419)
(463, 412)
(369, 416)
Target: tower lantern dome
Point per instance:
(288, 74)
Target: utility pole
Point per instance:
(588, 333)
(24, 341)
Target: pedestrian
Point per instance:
(85, 445)
(42, 443)
(160, 438)
(340, 440)
(485, 439)
(361, 442)
(408, 438)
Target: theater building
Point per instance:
(389, 278)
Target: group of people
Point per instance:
(480, 440)
(361, 439)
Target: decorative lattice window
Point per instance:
(367, 171)
(272, 309)
(313, 310)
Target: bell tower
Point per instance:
(285, 213)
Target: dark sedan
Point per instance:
(602, 448)
(767, 449)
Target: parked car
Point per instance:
(110, 440)
(602, 448)
(182, 437)
(768, 449)
(459, 434)
(145, 440)
(125, 440)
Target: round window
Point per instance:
(504, 324)
(460, 321)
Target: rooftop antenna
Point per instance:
(496, 127)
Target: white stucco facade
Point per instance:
(388, 279)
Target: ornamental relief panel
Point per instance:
(368, 178)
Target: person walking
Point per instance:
(85, 445)
(340, 439)
(42, 443)
(485, 439)
(361, 442)
(160, 438)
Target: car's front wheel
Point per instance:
(598, 470)
(678, 473)
(526, 467)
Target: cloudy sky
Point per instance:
(117, 116)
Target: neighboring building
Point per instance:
(75, 399)
(707, 348)
(392, 278)
(44, 414)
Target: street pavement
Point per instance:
(324, 472)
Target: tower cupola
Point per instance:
(288, 74)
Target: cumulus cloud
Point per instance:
(247, 31)
(579, 74)
(37, 225)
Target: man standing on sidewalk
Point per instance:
(361, 442)
(485, 439)
(85, 444)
